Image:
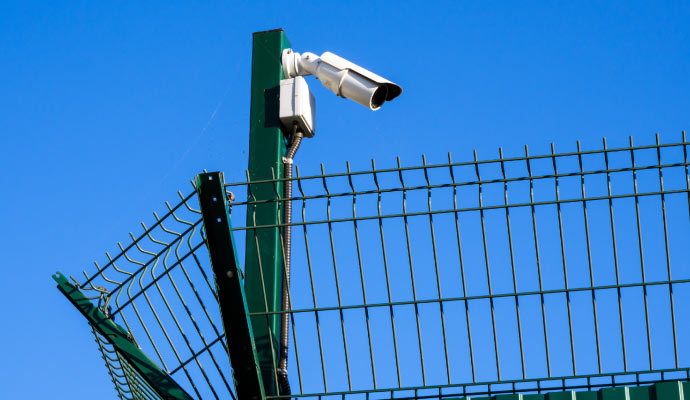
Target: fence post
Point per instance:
(228, 278)
(263, 256)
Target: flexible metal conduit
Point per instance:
(295, 140)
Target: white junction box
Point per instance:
(297, 105)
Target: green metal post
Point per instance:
(228, 278)
(263, 256)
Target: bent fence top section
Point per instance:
(507, 275)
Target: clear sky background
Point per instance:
(106, 110)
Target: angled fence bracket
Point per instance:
(158, 379)
(229, 283)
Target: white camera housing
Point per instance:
(297, 106)
(343, 77)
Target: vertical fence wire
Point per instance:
(538, 261)
(589, 257)
(412, 280)
(614, 247)
(512, 263)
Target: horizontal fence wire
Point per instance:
(507, 275)
(160, 288)
(513, 274)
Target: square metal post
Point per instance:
(263, 257)
(228, 278)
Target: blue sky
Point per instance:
(106, 110)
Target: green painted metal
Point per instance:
(673, 390)
(159, 380)
(263, 262)
(228, 278)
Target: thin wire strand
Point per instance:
(641, 252)
(462, 272)
(361, 278)
(337, 282)
(467, 163)
(385, 267)
(565, 268)
(589, 260)
(412, 280)
(538, 261)
(461, 184)
(311, 282)
(615, 257)
(488, 271)
(512, 266)
(668, 254)
(438, 275)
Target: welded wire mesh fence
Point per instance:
(160, 288)
(490, 276)
(529, 273)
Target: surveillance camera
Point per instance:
(344, 78)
